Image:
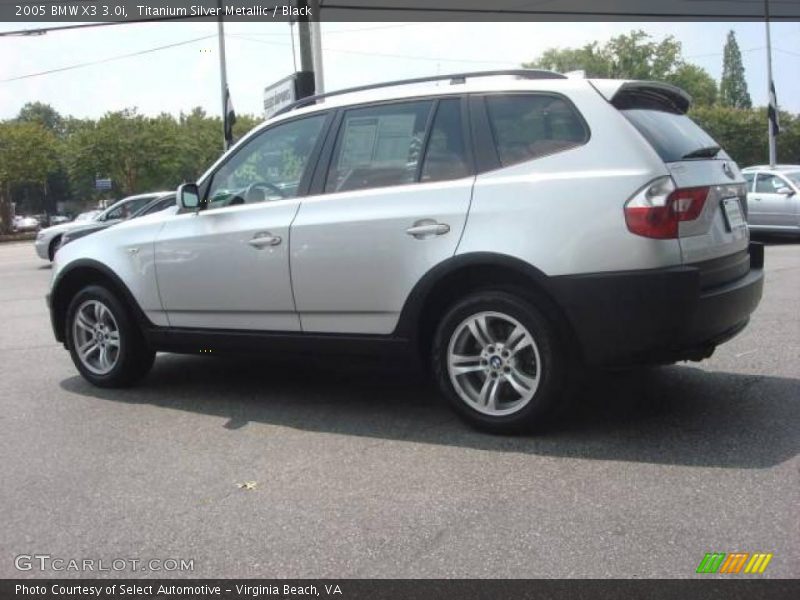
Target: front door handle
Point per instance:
(427, 228)
(263, 239)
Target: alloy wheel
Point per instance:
(96, 337)
(494, 363)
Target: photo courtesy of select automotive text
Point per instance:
(399, 299)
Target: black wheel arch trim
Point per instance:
(58, 307)
(420, 294)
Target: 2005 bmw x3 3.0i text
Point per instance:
(509, 229)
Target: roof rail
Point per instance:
(454, 78)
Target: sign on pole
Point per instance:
(102, 184)
(287, 90)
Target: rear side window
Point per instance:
(749, 178)
(673, 136)
(378, 146)
(446, 156)
(529, 126)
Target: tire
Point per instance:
(51, 249)
(509, 385)
(120, 355)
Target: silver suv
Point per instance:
(509, 229)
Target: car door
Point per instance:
(227, 267)
(391, 204)
(772, 208)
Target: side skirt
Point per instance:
(221, 342)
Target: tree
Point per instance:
(697, 82)
(590, 58)
(27, 155)
(633, 56)
(741, 132)
(733, 86)
(44, 114)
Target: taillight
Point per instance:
(657, 209)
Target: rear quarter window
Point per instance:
(528, 126)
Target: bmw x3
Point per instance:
(508, 228)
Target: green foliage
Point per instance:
(591, 58)
(743, 133)
(697, 82)
(27, 155)
(143, 153)
(633, 56)
(44, 114)
(733, 86)
(139, 153)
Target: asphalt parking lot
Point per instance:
(363, 472)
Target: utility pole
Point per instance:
(308, 33)
(304, 38)
(772, 109)
(223, 74)
(316, 47)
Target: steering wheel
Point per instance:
(263, 185)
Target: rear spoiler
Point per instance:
(653, 95)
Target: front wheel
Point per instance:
(499, 361)
(105, 344)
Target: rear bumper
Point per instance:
(659, 315)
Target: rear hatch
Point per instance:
(717, 237)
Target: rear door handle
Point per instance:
(427, 228)
(264, 238)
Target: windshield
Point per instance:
(88, 216)
(125, 208)
(674, 137)
(794, 177)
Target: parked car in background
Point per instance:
(154, 206)
(508, 230)
(773, 198)
(22, 224)
(48, 240)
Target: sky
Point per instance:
(187, 75)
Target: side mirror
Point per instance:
(189, 196)
(785, 191)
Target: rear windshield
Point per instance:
(671, 135)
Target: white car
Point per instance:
(49, 239)
(507, 230)
(773, 198)
(23, 223)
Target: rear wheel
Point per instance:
(105, 344)
(500, 362)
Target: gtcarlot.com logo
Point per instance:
(46, 562)
(734, 562)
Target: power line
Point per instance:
(757, 48)
(106, 60)
(721, 53)
(328, 32)
(43, 30)
(388, 55)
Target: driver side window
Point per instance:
(268, 167)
